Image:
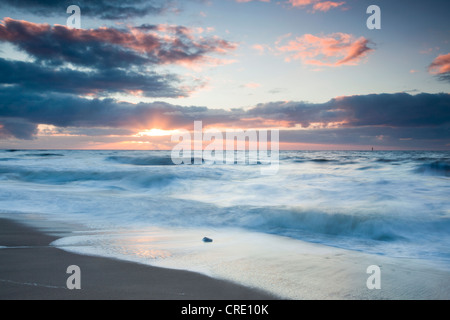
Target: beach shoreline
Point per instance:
(33, 267)
(30, 269)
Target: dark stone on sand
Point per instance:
(206, 239)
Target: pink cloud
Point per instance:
(261, 48)
(331, 50)
(245, 1)
(327, 5)
(301, 3)
(317, 5)
(440, 65)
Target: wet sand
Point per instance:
(31, 269)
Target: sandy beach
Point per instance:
(31, 269)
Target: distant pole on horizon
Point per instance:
(372, 148)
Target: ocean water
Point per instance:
(137, 205)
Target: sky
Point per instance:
(135, 72)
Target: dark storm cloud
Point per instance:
(59, 44)
(111, 47)
(70, 111)
(35, 77)
(101, 9)
(105, 60)
(17, 128)
(397, 110)
(422, 137)
(444, 77)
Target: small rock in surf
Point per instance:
(206, 239)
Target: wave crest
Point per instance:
(435, 168)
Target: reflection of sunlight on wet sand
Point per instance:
(143, 252)
(286, 267)
(139, 245)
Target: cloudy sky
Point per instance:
(138, 71)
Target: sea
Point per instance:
(139, 206)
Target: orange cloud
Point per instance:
(440, 65)
(327, 5)
(245, 1)
(317, 5)
(300, 3)
(331, 50)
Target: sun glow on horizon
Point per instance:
(156, 133)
